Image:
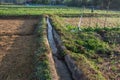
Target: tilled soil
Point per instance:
(16, 57)
(93, 22)
(16, 51)
(17, 26)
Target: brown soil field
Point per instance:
(16, 51)
(17, 26)
(93, 22)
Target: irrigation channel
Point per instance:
(61, 67)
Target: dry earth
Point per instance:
(16, 52)
(17, 26)
(94, 22)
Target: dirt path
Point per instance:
(61, 67)
(16, 51)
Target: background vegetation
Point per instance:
(102, 4)
(58, 10)
(97, 4)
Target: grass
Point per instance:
(94, 44)
(42, 70)
(59, 10)
(88, 69)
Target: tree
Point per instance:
(77, 3)
(45, 1)
(115, 4)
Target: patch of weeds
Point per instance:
(91, 43)
(113, 62)
(112, 37)
(88, 69)
(71, 28)
(114, 68)
(100, 60)
(42, 71)
(62, 53)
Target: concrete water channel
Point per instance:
(61, 67)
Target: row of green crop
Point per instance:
(41, 62)
(109, 34)
(61, 11)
